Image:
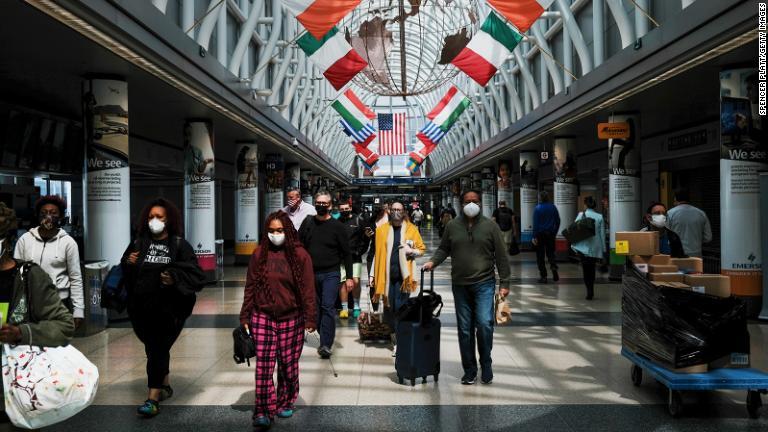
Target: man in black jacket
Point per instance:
(327, 242)
(359, 239)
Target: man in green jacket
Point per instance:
(32, 312)
(475, 245)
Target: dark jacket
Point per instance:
(546, 218)
(675, 244)
(47, 322)
(358, 241)
(327, 243)
(189, 278)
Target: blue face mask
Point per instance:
(335, 214)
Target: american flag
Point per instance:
(392, 134)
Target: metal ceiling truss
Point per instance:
(286, 81)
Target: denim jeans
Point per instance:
(327, 287)
(474, 314)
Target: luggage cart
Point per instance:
(752, 380)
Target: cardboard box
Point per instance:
(637, 243)
(662, 268)
(689, 265)
(666, 277)
(677, 285)
(731, 361)
(658, 259)
(712, 284)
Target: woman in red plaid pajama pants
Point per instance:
(278, 305)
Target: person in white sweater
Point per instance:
(50, 247)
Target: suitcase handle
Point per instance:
(421, 292)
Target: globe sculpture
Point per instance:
(409, 44)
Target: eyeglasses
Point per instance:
(323, 204)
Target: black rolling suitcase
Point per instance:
(418, 343)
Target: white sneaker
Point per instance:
(394, 351)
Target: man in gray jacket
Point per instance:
(476, 246)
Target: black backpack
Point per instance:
(244, 348)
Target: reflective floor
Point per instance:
(557, 367)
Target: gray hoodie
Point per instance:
(59, 258)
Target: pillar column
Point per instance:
(200, 194)
(489, 196)
(566, 189)
(624, 191)
(743, 153)
(292, 176)
(504, 184)
(246, 201)
(106, 178)
(529, 191)
(275, 174)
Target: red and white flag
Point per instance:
(392, 128)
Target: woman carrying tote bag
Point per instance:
(592, 249)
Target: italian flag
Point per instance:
(333, 55)
(521, 13)
(442, 117)
(319, 16)
(487, 50)
(353, 110)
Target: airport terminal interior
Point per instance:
(582, 184)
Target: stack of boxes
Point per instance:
(663, 271)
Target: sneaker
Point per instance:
(543, 280)
(286, 413)
(487, 376)
(166, 392)
(261, 423)
(468, 379)
(555, 276)
(344, 314)
(356, 312)
(150, 408)
(324, 352)
(394, 350)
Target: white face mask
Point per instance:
(156, 226)
(277, 239)
(659, 221)
(471, 210)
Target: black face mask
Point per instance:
(346, 214)
(321, 211)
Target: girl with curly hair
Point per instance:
(162, 276)
(278, 305)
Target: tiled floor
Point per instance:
(557, 367)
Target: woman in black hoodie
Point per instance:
(163, 276)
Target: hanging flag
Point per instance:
(392, 134)
(359, 136)
(353, 110)
(521, 13)
(333, 55)
(319, 16)
(368, 156)
(488, 50)
(443, 117)
(421, 155)
(369, 168)
(412, 166)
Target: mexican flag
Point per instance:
(319, 16)
(487, 50)
(521, 13)
(333, 55)
(353, 110)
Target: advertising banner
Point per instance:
(107, 174)
(565, 187)
(200, 192)
(306, 186)
(743, 153)
(624, 195)
(489, 197)
(246, 201)
(274, 169)
(292, 176)
(476, 180)
(529, 191)
(456, 195)
(504, 190)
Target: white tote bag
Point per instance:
(44, 386)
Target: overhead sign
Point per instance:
(383, 181)
(619, 130)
